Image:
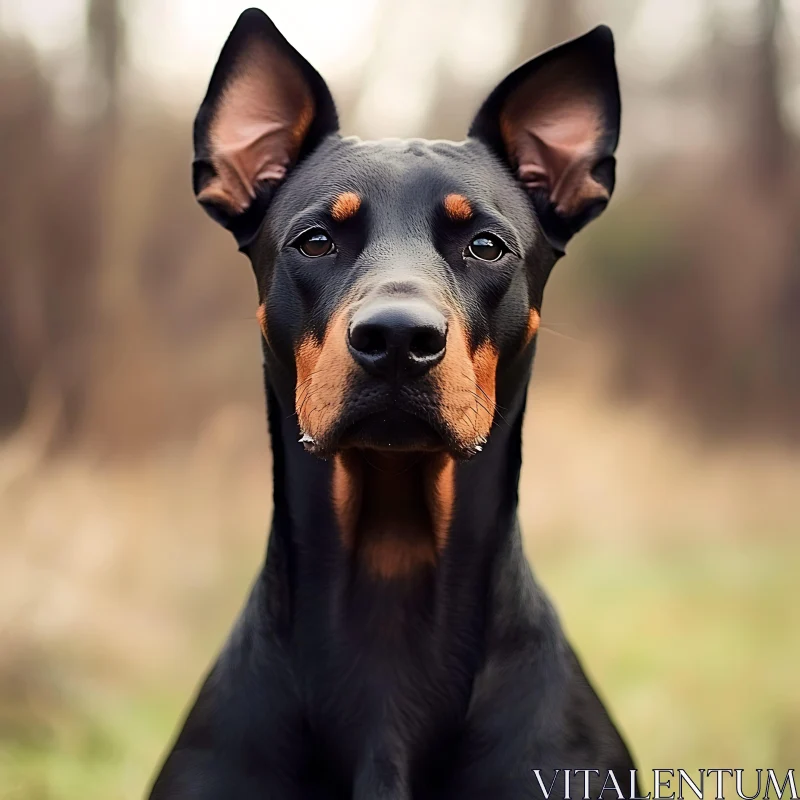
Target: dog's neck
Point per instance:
(366, 524)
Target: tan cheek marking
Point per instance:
(466, 387)
(323, 374)
(457, 207)
(532, 327)
(484, 362)
(345, 206)
(305, 358)
(261, 316)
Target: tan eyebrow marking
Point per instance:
(346, 205)
(457, 207)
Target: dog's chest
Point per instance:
(390, 672)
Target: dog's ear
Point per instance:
(265, 109)
(555, 122)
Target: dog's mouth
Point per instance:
(407, 422)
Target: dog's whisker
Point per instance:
(311, 393)
(561, 335)
(494, 409)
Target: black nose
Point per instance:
(398, 339)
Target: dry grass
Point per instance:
(674, 568)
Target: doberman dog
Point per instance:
(395, 644)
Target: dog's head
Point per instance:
(399, 279)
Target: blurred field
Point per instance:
(673, 567)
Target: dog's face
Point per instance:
(400, 280)
(396, 282)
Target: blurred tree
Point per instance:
(706, 294)
(25, 117)
(105, 26)
(768, 138)
(52, 230)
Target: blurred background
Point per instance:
(662, 447)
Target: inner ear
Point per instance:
(555, 121)
(266, 107)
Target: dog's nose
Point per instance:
(398, 339)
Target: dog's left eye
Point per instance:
(314, 243)
(486, 247)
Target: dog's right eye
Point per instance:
(486, 247)
(314, 243)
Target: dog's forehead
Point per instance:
(400, 176)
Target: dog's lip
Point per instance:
(414, 419)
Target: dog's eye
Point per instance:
(314, 243)
(486, 247)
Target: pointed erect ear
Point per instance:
(265, 109)
(555, 121)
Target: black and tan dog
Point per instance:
(395, 644)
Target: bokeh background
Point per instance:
(660, 495)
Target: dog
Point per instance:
(395, 644)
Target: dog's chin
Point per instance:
(392, 430)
